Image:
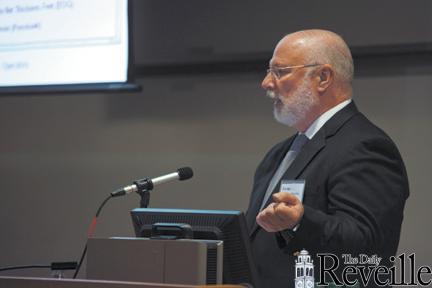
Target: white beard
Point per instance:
(293, 109)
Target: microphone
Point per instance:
(146, 184)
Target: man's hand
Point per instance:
(284, 213)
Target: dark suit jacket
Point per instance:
(356, 187)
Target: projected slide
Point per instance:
(45, 42)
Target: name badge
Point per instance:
(295, 187)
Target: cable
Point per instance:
(90, 231)
(23, 267)
(54, 266)
(66, 265)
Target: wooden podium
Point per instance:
(31, 282)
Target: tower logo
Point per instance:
(304, 271)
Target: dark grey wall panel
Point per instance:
(168, 32)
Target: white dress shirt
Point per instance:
(321, 120)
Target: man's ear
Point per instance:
(326, 76)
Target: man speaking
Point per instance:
(337, 186)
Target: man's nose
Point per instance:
(267, 83)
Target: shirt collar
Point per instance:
(323, 118)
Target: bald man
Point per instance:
(350, 183)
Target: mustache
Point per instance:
(271, 94)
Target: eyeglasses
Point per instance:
(278, 72)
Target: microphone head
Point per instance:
(185, 173)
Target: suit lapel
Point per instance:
(308, 152)
(258, 197)
(306, 155)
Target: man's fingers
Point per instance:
(267, 216)
(264, 225)
(268, 220)
(291, 213)
(263, 222)
(285, 197)
(282, 214)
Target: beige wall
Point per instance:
(60, 155)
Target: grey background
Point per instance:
(61, 154)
